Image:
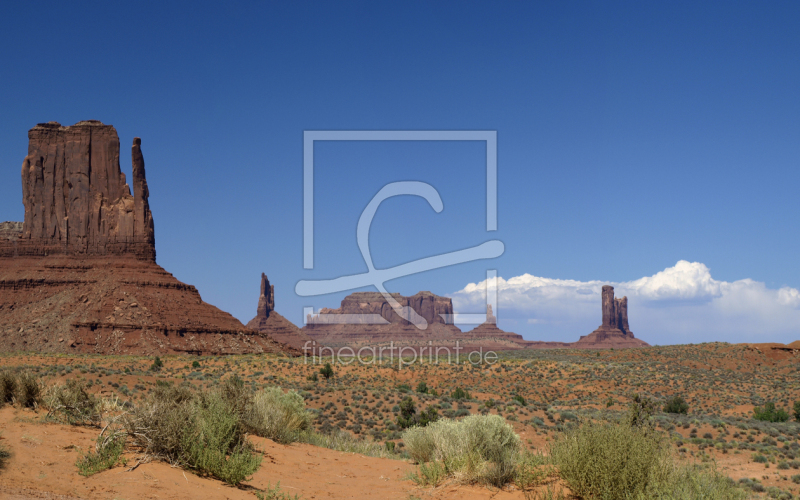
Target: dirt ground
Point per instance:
(721, 382)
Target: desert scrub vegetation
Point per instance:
(276, 415)
(345, 442)
(72, 404)
(676, 404)
(206, 430)
(477, 449)
(770, 414)
(22, 389)
(106, 455)
(607, 461)
(199, 430)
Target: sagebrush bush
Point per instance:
(610, 461)
(476, 449)
(213, 443)
(236, 395)
(277, 416)
(72, 404)
(156, 425)
(618, 461)
(198, 430)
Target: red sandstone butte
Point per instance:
(614, 331)
(79, 275)
(272, 324)
(400, 333)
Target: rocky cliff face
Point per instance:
(272, 324)
(79, 275)
(77, 200)
(614, 331)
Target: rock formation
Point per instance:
(489, 329)
(371, 319)
(272, 324)
(76, 199)
(79, 275)
(614, 331)
(364, 308)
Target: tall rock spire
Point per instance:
(266, 301)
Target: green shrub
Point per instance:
(275, 493)
(770, 414)
(676, 404)
(519, 399)
(326, 371)
(460, 393)
(422, 387)
(430, 474)
(692, 483)
(157, 365)
(476, 449)
(238, 397)
(532, 470)
(213, 444)
(409, 417)
(195, 364)
(277, 416)
(72, 404)
(105, 456)
(203, 431)
(619, 461)
(797, 410)
(640, 412)
(609, 461)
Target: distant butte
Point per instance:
(614, 330)
(79, 274)
(399, 332)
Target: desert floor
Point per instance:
(721, 382)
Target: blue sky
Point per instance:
(631, 137)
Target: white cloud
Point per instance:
(680, 304)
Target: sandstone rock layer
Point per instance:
(113, 305)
